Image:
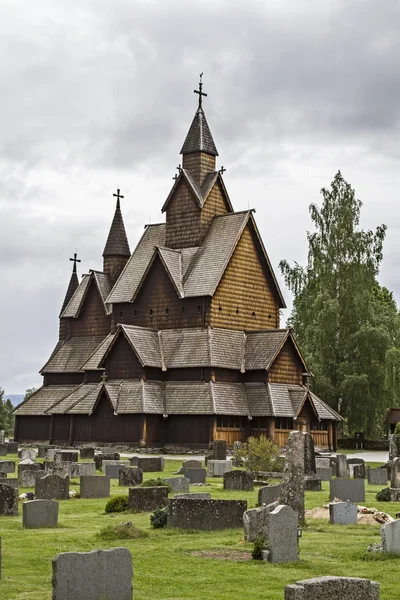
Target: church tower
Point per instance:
(116, 251)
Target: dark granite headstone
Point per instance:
(238, 480)
(269, 494)
(195, 475)
(219, 450)
(8, 500)
(147, 498)
(206, 515)
(94, 486)
(352, 490)
(148, 464)
(86, 453)
(130, 476)
(52, 487)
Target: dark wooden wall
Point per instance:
(199, 164)
(32, 428)
(183, 218)
(189, 430)
(122, 362)
(63, 378)
(92, 319)
(287, 367)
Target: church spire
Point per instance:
(199, 150)
(116, 251)
(73, 284)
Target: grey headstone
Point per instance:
(390, 535)
(238, 480)
(355, 461)
(352, 490)
(394, 447)
(194, 496)
(130, 476)
(359, 471)
(394, 494)
(41, 451)
(98, 458)
(321, 462)
(342, 466)
(13, 481)
(333, 588)
(28, 473)
(12, 447)
(39, 513)
(111, 469)
(395, 474)
(219, 450)
(50, 454)
(95, 575)
(7, 466)
(178, 484)
(147, 498)
(269, 494)
(310, 469)
(94, 486)
(195, 475)
(217, 468)
(206, 515)
(255, 521)
(86, 453)
(148, 464)
(52, 487)
(343, 513)
(60, 468)
(292, 492)
(282, 535)
(377, 476)
(27, 453)
(67, 456)
(324, 473)
(4, 449)
(8, 500)
(192, 464)
(80, 469)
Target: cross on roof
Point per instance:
(179, 168)
(175, 177)
(104, 375)
(222, 170)
(118, 196)
(75, 260)
(200, 91)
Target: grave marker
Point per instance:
(333, 588)
(205, 515)
(147, 498)
(94, 486)
(52, 487)
(8, 500)
(238, 480)
(352, 490)
(343, 513)
(39, 513)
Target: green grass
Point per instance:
(164, 568)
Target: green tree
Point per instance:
(259, 454)
(6, 418)
(346, 323)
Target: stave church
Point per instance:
(179, 342)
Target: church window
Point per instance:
(167, 312)
(283, 423)
(237, 311)
(229, 422)
(253, 313)
(183, 310)
(269, 316)
(135, 314)
(151, 312)
(220, 308)
(199, 308)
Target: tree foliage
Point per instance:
(346, 323)
(259, 454)
(6, 418)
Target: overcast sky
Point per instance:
(98, 94)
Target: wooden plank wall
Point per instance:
(244, 298)
(92, 319)
(122, 362)
(199, 164)
(183, 219)
(213, 206)
(287, 367)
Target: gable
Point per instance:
(245, 297)
(287, 366)
(216, 204)
(183, 218)
(92, 318)
(121, 362)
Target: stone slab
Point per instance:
(147, 498)
(8, 500)
(333, 588)
(324, 473)
(12, 447)
(219, 450)
(13, 481)
(269, 494)
(178, 484)
(195, 475)
(352, 490)
(99, 458)
(390, 535)
(238, 480)
(39, 513)
(7, 466)
(94, 486)
(255, 522)
(377, 476)
(130, 476)
(80, 469)
(66, 456)
(312, 484)
(4, 449)
(111, 469)
(148, 464)
(342, 466)
(292, 493)
(52, 487)
(95, 575)
(282, 535)
(205, 515)
(27, 453)
(86, 453)
(28, 473)
(217, 468)
(322, 462)
(194, 496)
(343, 513)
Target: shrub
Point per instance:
(383, 495)
(397, 430)
(259, 454)
(156, 483)
(258, 547)
(122, 531)
(158, 519)
(117, 504)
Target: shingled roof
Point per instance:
(200, 192)
(117, 242)
(76, 303)
(199, 138)
(70, 355)
(72, 286)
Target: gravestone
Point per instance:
(192, 464)
(321, 462)
(333, 588)
(2, 436)
(178, 484)
(86, 453)
(94, 486)
(394, 447)
(292, 492)
(219, 450)
(80, 469)
(42, 449)
(324, 473)
(194, 496)
(52, 487)
(39, 513)
(395, 474)
(66, 456)
(352, 490)
(28, 473)
(195, 475)
(95, 575)
(4, 449)
(377, 476)
(359, 471)
(12, 447)
(342, 466)
(269, 494)
(282, 535)
(7, 466)
(217, 468)
(8, 500)
(50, 454)
(312, 483)
(27, 453)
(148, 464)
(355, 461)
(13, 481)
(205, 515)
(238, 480)
(111, 469)
(98, 458)
(255, 521)
(130, 476)
(390, 536)
(60, 468)
(147, 498)
(343, 513)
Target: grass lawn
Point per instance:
(164, 567)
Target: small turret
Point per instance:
(116, 251)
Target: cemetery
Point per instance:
(62, 538)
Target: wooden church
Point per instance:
(178, 343)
